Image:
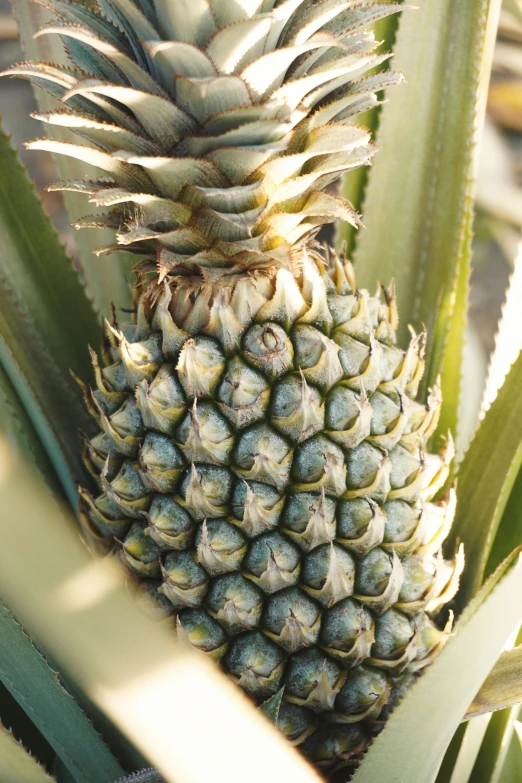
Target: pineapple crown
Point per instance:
(218, 123)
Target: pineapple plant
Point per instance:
(262, 461)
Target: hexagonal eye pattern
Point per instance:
(272, 498)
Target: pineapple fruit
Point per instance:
(261, 457)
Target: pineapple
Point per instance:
(261, 457)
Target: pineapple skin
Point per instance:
(273, 496)
(261, 459)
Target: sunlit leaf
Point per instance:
(162, 695)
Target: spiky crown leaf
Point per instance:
(218, 123)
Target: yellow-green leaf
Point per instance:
(486, 478)
(37, 688)
(502, 687)
(170, 701)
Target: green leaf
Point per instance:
(107, 279)
(501, 693)
(16, 765)
(462, 751)
(448, 344)
(512, 769)
(46, 320)
(165, 697)
(419, 196)
(452, 755)
(13, 717)
(354, 183)
(502, 687)
(509, 533)
(38, 690)
(486, 478)
(498, 692)
(492, 754)
(413, 743)
(16, 426)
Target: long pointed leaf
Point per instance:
(452, 755)
(493, 751)
(413, 743)
(486, 478)
(37, 689)
(46, 320)
(462, 752)
(502, 687)
(508, 340)
(165, 697)
(16, 765)
(501, 694)
(509, 533)
(16, 426)
(449, 335)
(354, 183)
(419, 196)
(107, 279)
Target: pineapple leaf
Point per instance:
(420, 191)
(46, 320)
(16, 426)
(503, 686)
(148, 775)
(413, 743)
(106, 281)
(38, 690)
(494, 748)
(16, 764)
(155, 689)
(509, 533)
(462, 751)
(495, 451)
(512, 767)
(354, 182)
(501, 693)
(448, 334)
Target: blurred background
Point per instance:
(498, 220)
